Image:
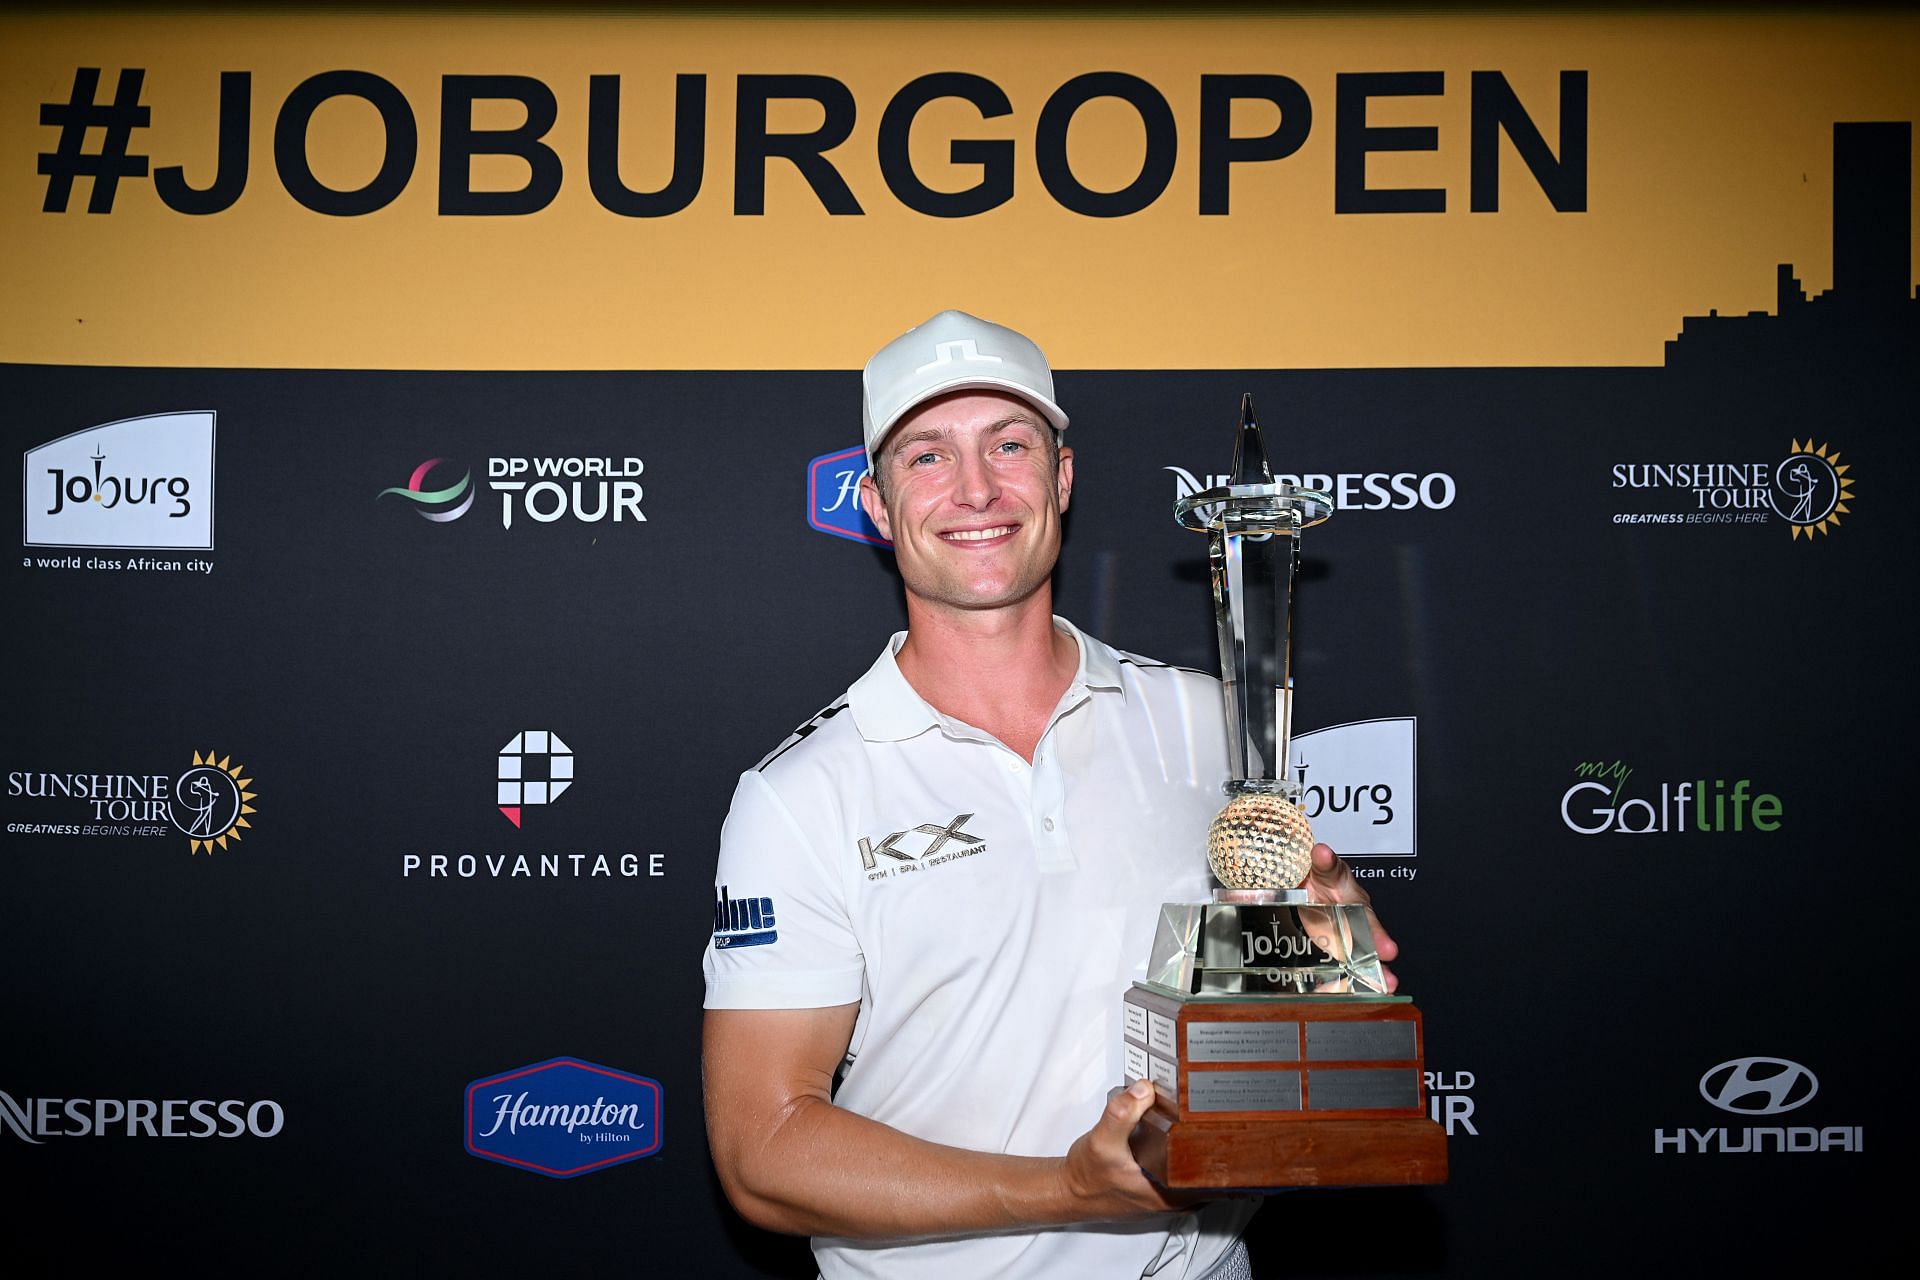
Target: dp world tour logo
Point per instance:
(1810, 489)
(211, 801)
(563, 1117)
(438, 504)
(833, 497)
(535, 767)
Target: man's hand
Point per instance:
(1100, 1171)
(1331, 880)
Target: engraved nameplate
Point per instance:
(1136, 1022)
(1361, 1042)
(1160, 1033)
(1161, 1072)
(1363, 1089)
(1136, 1063)
(1243, 1090)
(1243, 1042)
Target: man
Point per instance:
(943, 883)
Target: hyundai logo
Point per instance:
(1758, 1086)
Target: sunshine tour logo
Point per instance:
(1599, 804)
(563, 1117)
(544, 490)
(1809, 488)
(209, 803)
(137, 484)
(34, 1120)
(1350, 490)
(1756, 1088)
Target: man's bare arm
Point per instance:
(792, 1161)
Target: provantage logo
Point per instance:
(1759, 1086)
(535, 768)
(833, 497)
(211, 802)
(136, 483)
(563, 1117)
(1810, 489)
(439, 505)
(742, 922)
(933, 851)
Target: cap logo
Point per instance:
(955, 352)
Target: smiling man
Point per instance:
(935, 892)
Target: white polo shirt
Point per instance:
(987, 915)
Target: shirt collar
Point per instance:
(887, 709)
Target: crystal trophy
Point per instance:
(1278, 1057)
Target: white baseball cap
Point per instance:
(953, 352)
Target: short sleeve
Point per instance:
(781, 935)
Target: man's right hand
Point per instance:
(1100, 1169)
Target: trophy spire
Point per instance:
(1249, 449)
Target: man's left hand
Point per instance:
(1331, 880)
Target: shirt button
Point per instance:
(1048, 824)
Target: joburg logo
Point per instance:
(742, 922)
(438, 505)
(833, 497)
(33, 1120)
(933, 852)
(1758, 1087)
(1593, 806)
(535, 767)
(1350, 490)
(210, 803)
(1359, 789)
(563, 1117)
(143, 482)
(1809, 489)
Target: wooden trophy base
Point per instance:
(1272, 1093)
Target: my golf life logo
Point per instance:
(1758, 1088)
(1606, 801)
(138, 484)
(544, 490)
(1808, 488)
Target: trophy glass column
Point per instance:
(1278, 1056)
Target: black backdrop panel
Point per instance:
(367, 666)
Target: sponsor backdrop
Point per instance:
(437, 443)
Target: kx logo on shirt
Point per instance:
(942, 844)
